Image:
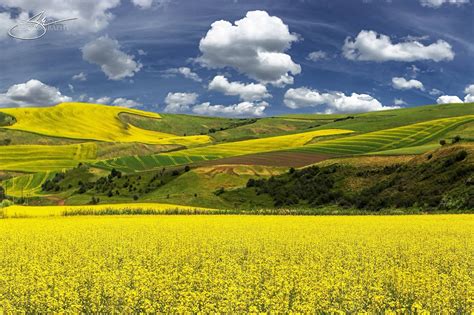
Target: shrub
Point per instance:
(461, 155)
(6, 203)
(456, 139)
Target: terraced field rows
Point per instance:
(132, 164)
(260, 145)
(401, 137)
(26, 185)
(212, 152)
(38, 158)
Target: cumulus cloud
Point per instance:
(80, 77)
(404, 84)
(246, 92)
(146, 4)
(435, 92)
(244, 109)
(316, 55)
(122, 102)
(333, 102)
(105, 52)
(438, 3)
(446, 99)
(185, 72)
(92, 15)
(179, 102)
(399, 102)
(370, 46)
(7, 22)
(32, 93)
(255, 46)
(469, 90)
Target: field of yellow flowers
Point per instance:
(235, 264)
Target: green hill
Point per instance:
(78, 153)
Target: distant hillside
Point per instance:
(88, 122)
(442, 180)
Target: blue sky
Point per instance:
(366, 55)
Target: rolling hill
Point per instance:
(91, 122)
(77, 153)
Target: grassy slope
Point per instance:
(373, 121)
(395, 138)
(198, 186)
(440, 180)
(179, 124)
(225, 129)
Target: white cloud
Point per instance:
(404, 84)
(179, 102)
(101, 100)
(246, 92)
(447, 99)
(106, 53)
(141, 52)
(254, 46)
(32, 93)
(7, 22)
(244, 109)
(316, 55)
(334, 102)
(469, 90)
(122, 102)
(399, 102)
(435, 92)
(80, 77)
(370, 46)
(146, 4)
(143, 4)
(438, 3)
(92, 15)
(185, 72)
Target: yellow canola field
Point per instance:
(38, 158)
(238, 264)
(261, 145)
(17, 211)
(92, 122)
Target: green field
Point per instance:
(26, 185)
(213, 152)
(136, 163)
(153, 149)
(395, 138)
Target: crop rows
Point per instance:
(401, 137)
(26, 185)
(261, 145)
(136, 163)
(38, 158)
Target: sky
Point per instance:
(238, 58)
